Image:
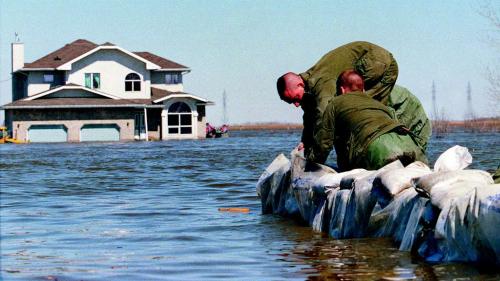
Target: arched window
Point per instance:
(179, 119)
(132, 82)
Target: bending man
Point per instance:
(313, 89)
(364, 131)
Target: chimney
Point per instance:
(17, 56)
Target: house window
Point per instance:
(173, 78)
(48, 78)
(93, 80)
(132, 82)
(179, 119)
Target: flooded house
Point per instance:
(89, 92)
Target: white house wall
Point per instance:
(70, 93)
(113, 66)
(36, 84)
(158, 81)
(194, 120)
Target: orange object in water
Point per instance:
(235, 210)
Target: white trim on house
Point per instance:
(149, 65)
(186, 70)
(165, 114)
(182, 96)
(71, 87)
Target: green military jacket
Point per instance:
(410, 112)
(350, 123)
(374, 63)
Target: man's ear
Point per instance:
(343, 90)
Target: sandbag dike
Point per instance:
(443, 215)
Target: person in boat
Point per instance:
(224, 129)
(313, 89)
(364, 132)
(209, 130)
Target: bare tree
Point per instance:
(491, 12)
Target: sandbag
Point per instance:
(432, 183)
(442, 195)
(309, 193)
(361, 203)
(392, 220)
(467, 227)
(337, 204)
(389, 183)
(414, 226)
(272, 182)
(454, 159)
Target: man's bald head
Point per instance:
(291, 88)
(350, 81)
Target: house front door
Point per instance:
(139, 127)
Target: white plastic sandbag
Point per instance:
(309, 191)
(467, 227)
(272, 183)
(361, 201)
(389, 183)
(453, 159)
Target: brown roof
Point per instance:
(81, 46)
(162, 62)
(159, 93)
(63, 55)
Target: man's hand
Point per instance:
(300, 146)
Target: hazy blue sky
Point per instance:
(243, 46)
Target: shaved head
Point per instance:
(350, 81)
(290, 88)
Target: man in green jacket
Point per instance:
(313, 89)
(364, 131)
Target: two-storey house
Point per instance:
(89, 92)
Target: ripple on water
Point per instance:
(149, 211)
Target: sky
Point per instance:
(242, 47)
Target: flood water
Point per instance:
(149, 211)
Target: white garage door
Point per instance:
(100, 132)
(47, 133)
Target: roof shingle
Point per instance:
(63, 55)
(81, 46)
(162, 62)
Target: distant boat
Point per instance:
(212, 132)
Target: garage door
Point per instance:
(100, 132)
(47, 133)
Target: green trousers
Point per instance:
(390, 147)
(496, 175)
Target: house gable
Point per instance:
(163, 96)
(108, 46)
(112, 67)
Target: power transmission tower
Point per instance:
(224, 109)
(435, 114)
(470, 110)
